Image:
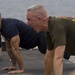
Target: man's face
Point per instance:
(34, 21)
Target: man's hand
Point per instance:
(9, 68)
(15, 71)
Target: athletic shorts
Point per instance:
(42, 43)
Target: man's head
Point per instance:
(37, 17)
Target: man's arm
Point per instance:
(8, 48)
(54, 58)
(58, 60)
(15, 41)
(49, 61)
(9, 51)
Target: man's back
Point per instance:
(12, 27)
(68, 27)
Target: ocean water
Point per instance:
(17, 8)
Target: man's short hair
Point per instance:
(38, 9)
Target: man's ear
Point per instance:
(40, 18)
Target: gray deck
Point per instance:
(34, 63)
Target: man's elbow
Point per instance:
(59, 58)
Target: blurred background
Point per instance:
(17, 8)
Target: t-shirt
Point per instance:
(11, 27)
(61, 32)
